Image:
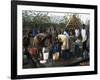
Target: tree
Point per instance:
(35, 18)
(40, 18)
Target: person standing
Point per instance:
(66, 33)
(77, 33)
(34, 32)
(64, 41)
(84, 38)
(72, 43)
(78, 47)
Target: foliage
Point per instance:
(41, 20)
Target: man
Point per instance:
(83, 33)
(66, 33)
(84, 39)
(38, 42)
(64, 41)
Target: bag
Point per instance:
(55, 56)
(45, 53)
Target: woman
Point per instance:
(64, 41)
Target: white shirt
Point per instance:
(66, 34)
(76, 32)
(84, 36)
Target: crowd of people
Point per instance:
(44, 46)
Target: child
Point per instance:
(72, 40)
(78, 47)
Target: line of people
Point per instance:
(45, 47)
